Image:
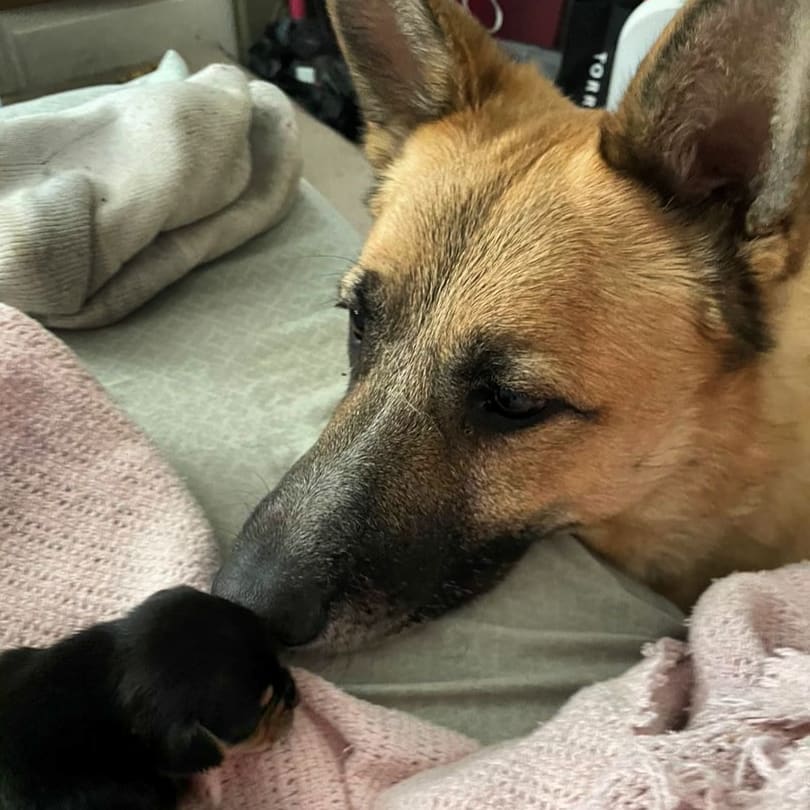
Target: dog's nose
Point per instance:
(295, 610)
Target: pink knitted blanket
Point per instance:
(721, 723)
(91, 521)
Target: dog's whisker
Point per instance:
(263, 480)
(335, 256)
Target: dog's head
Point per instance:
(197, 677)
(556, 320)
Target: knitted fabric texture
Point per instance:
(722, 723)
(105, 203)
(92, 522)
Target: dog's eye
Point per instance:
(515, 404)
(357, 332)
(357, 324)
(503, 409)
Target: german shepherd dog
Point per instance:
(561, 319)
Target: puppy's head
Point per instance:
(557, 319)
(198, 676)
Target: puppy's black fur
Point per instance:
(119, 716)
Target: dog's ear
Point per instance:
(162, 711)
(182, 750)
(178, 748)
(413, 61)
(720, 110)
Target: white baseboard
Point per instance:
(50, 45)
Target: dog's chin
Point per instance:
(362, 620)
(353, 626)
(363, 616)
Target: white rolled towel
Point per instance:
(104, 204)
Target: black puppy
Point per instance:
(121, 715)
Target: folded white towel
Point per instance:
(104, 204)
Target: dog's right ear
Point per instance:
(178, 748)
(719, 110)
(161, 714)
(183, 750)
(413, 61)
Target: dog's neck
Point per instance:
(743, 501)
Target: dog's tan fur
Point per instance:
(590, 242)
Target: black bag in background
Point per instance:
(591, 31)
(303, 59)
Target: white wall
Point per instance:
(49, 45)
(253, 16)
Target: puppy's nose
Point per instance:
(295, 609)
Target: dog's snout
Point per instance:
(295, 609)
(319, 556)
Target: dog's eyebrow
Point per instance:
(358, 286)
(485, 359)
